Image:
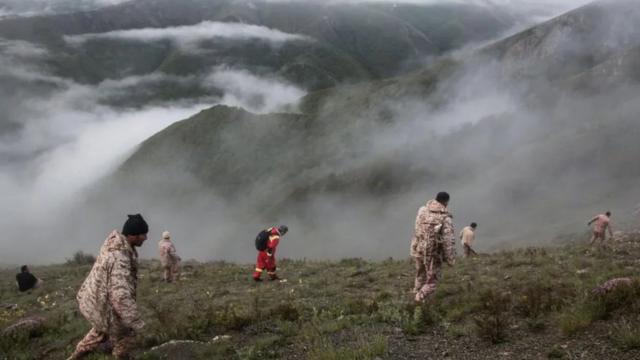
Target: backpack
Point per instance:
(262, 240)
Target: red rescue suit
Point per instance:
(267, 258)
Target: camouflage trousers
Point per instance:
(171, 272)
(428, 270)
(120, 345)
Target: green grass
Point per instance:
(350, 309)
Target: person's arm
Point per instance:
(610, 230)
(448, 236)
(592, 220)
(274, 240)
(122, 292)
(171, 251)
(420, 229)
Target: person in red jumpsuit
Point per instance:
(267, 258)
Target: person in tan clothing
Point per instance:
(107, 298)
(602, 223)
(169, 258)
(433, 243)
(468, 235)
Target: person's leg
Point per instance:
(260, 266)
(421, 274)
(271, 267)
(599, 239)
(166, 276)
(271, 270)
(123, 345)
(433, 274)
(175, 271)
(88, 344)
(472, 252)
(466, 249)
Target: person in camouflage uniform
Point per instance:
(611, 285)
(432, 244)
(169, 259)
(602, 223)
(107, 298)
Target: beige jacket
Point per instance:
(107, 297)
(434, 233)
(467, 235)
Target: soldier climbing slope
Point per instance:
(169, 258)
(107, 298)
(602, 223)
(432, 244)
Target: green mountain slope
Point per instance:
(551, 156)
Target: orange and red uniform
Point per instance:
(267, 258)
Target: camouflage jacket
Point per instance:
(434, 233)
(168, 254)
(107, 297)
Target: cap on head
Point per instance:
(474, 225)
(135, 225)
(166, 235)
(283, 229)
(24, 268)
(442, 197)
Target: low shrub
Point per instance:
(81, 258)
(494, 316)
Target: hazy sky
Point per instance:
(37, 7)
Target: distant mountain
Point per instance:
(550, 159)
(599, 34)
(353, 42)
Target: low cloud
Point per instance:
(254, 93)
(67, 136)
(190, 36)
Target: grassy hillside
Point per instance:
(531, 303)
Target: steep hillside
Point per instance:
(515, 153)
(572, 43)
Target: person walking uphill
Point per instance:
(432, 244)
(107, 298)
(602, 224)
(467, 236)
(266, 243)
(169, 258)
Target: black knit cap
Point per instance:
(135, 225)
(442, 197)
(283, 229)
